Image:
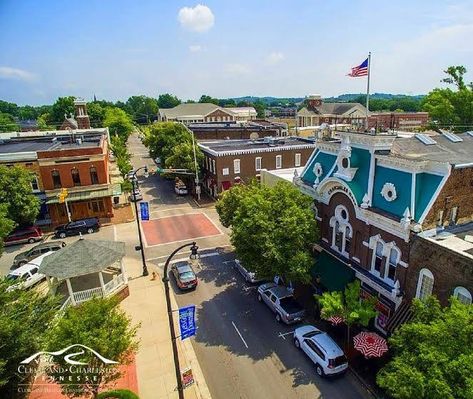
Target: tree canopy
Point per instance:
(6, 224)
(8, 123)
(451, 108)
(25, 316)
(102, 326)
(118, 122)
(273, 229)
(172, 142)
(64, 106)
(168, 101)
(207, 99)
(432, 354)
(142, 108)
(17, 193)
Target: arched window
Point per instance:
(463, 295)
(75, 177)
(56, 178)
(342, 231)
(94, 178)
(425, 284)
(347, 239)
(378, 258)
(394, 257)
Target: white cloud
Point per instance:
(16, 74)
(237, 69)
(195, 48)
(275, 57)
(198, 19)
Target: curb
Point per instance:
(363, 382)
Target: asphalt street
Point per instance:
(243, 351)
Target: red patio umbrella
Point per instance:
(336, 320)
(370, 344)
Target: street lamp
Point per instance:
(140, 247)
(177, 367)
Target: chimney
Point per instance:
(83, 121)
(313, 101)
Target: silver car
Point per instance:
(250, 277)
(327, 356)
(281, 301)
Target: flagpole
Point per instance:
(368, 89)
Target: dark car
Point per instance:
(83, 226)
(184, 275)
(37, 250)
(24, 235)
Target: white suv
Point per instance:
(27, 275)
(329, 359)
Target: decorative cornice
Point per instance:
(256, 150)
(410, 165)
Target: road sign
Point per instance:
(144, 209)
(187, 321)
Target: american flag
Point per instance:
(360, 70)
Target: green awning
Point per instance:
(334, 274)
(88, 195)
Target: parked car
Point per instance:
(327, 356)
(37, 250)
(136, 195)
(250, 277)
(180, 187)
(184, 275)
(83, 226)
(24, 235)
(27, 275)
(281, 301)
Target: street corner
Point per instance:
(170, 229)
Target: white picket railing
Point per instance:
(66, 303)
(113, 284)
(82, 296)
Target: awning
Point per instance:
(334, 274)
(88, 195)
(226, 185)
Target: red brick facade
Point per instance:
(398, 120)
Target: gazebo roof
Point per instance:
(82, 257)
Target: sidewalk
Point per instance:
(154, 359)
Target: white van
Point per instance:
(27, 275)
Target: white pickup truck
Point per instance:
(281, 301)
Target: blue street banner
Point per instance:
(144, 208)
(187, 321)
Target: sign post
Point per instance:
(187, 321)
(144, 210)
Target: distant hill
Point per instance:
(375, 96)
(269, 101)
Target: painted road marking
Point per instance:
(248, 288)
(282, 335)
(172, 209)
(240, 334)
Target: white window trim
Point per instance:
(214, 170)
(260, 163)
(236, 166)
(225, 171)
(279, 157)
(462, 291)
(35, 177)
(427, 273)
(386, 254)
(343, 224)
(297, 159)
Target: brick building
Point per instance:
(373, 194)
(406, 121)
(237, 130)
(81, 119)
(77, 161)
(228, 162)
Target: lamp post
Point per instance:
(141, 247)
(165, 279)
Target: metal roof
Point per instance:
(82, 257)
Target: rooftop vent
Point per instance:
(427, 140)
(452, 137)
(470, 133)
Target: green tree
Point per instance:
(100, 325)
(348, 305)
(168, 101)
(207, 99)
(143, 108)
(17, 193)
(118, 122)
(25, 315)
(43, 122)
(122, 156)
(8, 108)
(432, 354)
(64, 106)
(6, 224)
(273, 229)
(451, 108)
(96, 114)
(8, 124)
(259, 107)
(172, 142)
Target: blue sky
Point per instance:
(115, 49)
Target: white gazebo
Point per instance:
(94, 265)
